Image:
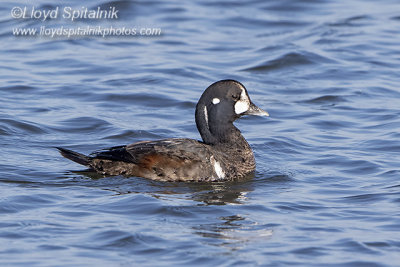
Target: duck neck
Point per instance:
(227, 133)
(220, 132)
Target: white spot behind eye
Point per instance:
(216, 101)
(243, 104)
(206, 116)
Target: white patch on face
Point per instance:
(243, 104)
(216, 101)
(206, 116)
(217, 168)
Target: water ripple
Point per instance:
(290, 60)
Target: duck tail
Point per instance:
(74, 156)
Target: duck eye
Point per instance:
(236, 97)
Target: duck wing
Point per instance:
(177, 159)
(182, 148)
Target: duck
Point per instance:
(222, 155)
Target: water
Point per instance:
(326, 190)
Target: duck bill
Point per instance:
(254, 110)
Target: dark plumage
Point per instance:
(224, 154)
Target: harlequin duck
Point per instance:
(223, 155)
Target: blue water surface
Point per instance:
(327, 187)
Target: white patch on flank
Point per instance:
(243, 104)
(217, 168)
(206, 116)
(216, 101)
